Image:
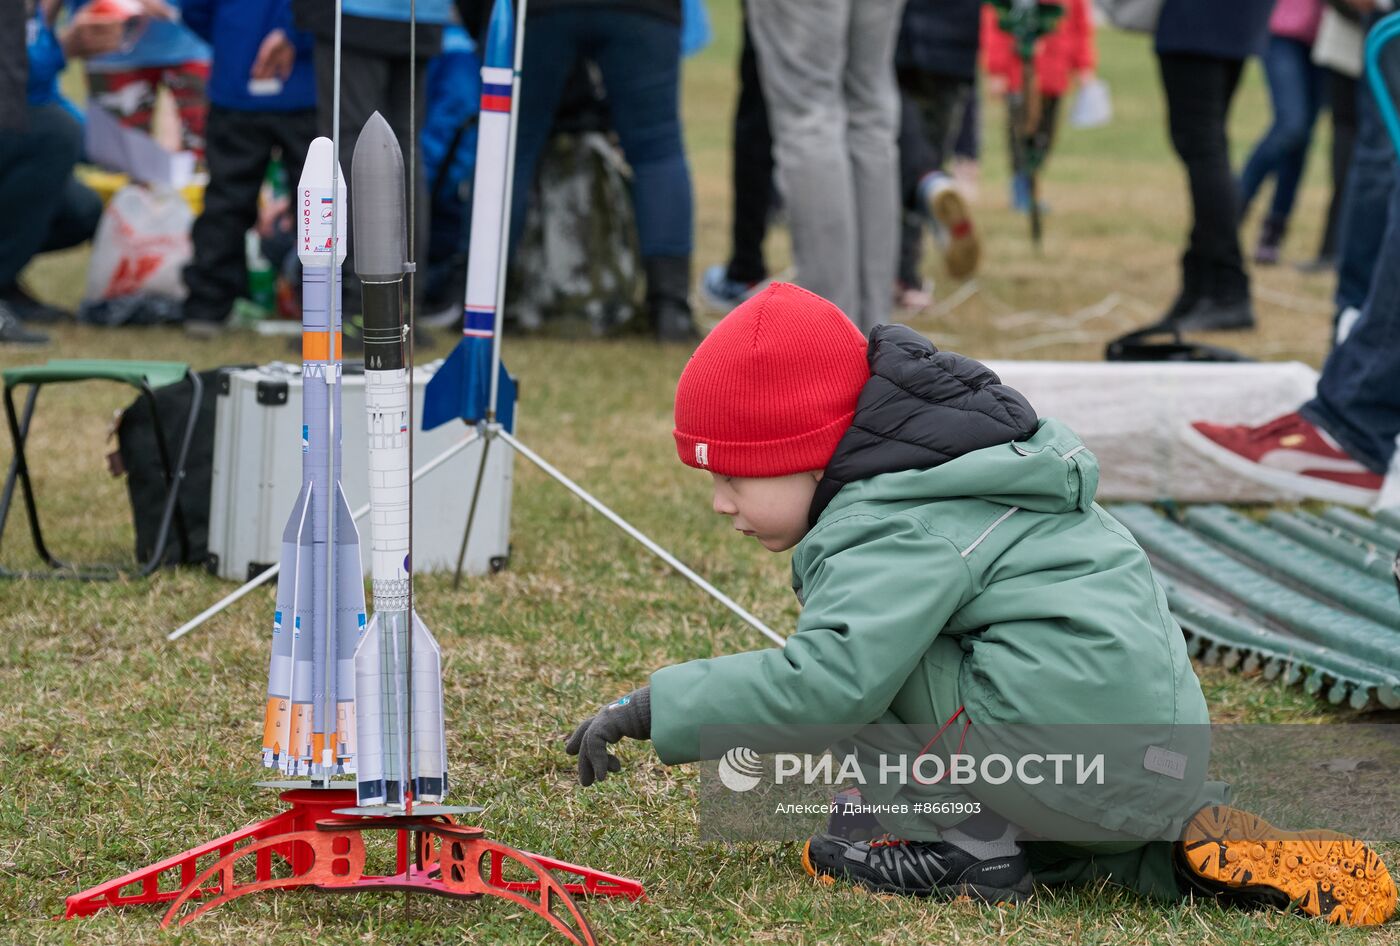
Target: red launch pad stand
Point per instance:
(312, 846)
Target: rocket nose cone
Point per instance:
(316, 171)
(500, 36)
(377, 202)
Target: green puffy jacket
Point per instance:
(991, 581)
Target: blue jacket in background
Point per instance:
(940, 37)
(1225, 29)
(236, 28)
(46, 61)
(162, 43)
(454, 97)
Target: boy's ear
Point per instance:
(818, 474)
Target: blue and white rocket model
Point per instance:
(398, 666)
(309, 722)
(462, 386)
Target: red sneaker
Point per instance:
(1290, 454)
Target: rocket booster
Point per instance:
(309, 721)
(381, 661)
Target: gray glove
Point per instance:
(629, 716)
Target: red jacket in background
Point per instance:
(1058, 56)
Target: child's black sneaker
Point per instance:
(994, 871)
(1236, 855)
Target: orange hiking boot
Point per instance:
(1231, 853)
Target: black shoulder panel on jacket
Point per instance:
(920, 408)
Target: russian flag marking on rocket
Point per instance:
(495, 97)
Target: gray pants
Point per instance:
(827, 69)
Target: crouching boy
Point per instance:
(956, 576)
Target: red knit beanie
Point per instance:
(771, 390)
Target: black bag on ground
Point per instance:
(1162, 342)
(145, 477)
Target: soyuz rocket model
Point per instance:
(338, 691)
(309, 722)
(397, 651)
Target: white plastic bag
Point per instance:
(142, 244)
(1093, 107)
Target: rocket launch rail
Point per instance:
(312, 845)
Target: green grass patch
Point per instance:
(119, 749)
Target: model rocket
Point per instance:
(309, 723)
(461, 387)
(398, 652)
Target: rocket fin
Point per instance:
(277, 716)
(350, 628)
(461, 386)
(371, 723)
(298, 754)
(429, 734)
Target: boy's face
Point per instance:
(771, 509)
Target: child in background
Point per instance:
(935, 64)
(1063, 55)
(262, 97)
(166, 53)
(1297, 90)
(953, 567)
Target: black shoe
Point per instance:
(668, 298)
(13, 332)
(920, 868)
(28, 309)
(1269, 248)
(1210, 315)
(1194, 287)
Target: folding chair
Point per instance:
(145, 376)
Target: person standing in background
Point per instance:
(725, 285)
(636, 45)
(1201, 49)
(1337, 51)
(126, 82)
(375, 69)
(1296, 89)
(262, 98)
(935, 65)
(834, 110)
(1063, 55)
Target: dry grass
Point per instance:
(119, 749)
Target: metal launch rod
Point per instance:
(331, 432)
(409, 325)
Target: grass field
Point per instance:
(119, 749)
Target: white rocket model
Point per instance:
(383, 704)
(309, 721)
